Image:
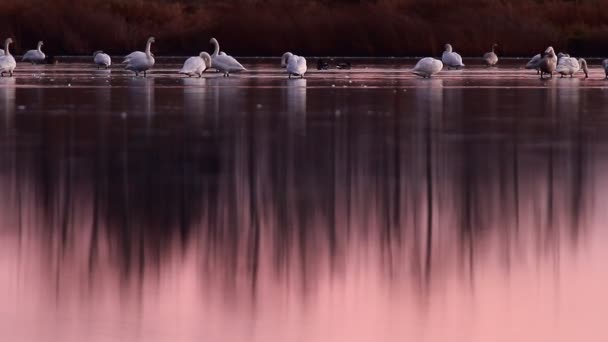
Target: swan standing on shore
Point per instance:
(35, 56)
(548, 63)
(7, 61)
(490, 57)
(196, 65)
(451, 59)
(534, 63)
(427, 67)
(101, 59)
(569, 66)
(295, 65)
(222, 62)
(140, 61)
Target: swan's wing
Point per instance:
(1, 52)
(193, 65)
(7, 62)
(452, 59)
(567, 65)
(30, 55)
(227, 63)
(427, 66)
(134, 55)
(533, 63)
(103, 59)
(297, 65)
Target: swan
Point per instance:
(569, 66)
(102, 59)
(7, 61)
(140, 61)
(34, 56)
(535, 61)
(605, 66)
(295, 65)
(223, 62)
(196, 65)
(490, 57)
(548, 63)
(427, 67)
(1, 53)
(451, 59)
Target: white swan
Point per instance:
(569, 66)
(295, 65)
(534, 63)
(7, 61)
(1, 53)
(605, 66)
(427, 67)
(34, 56)
(451, 59)
(101, 59)
(490, 57)
(196, 65)
(223, 62)
(140, 61)
(548, 63)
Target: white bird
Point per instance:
(35, 56)
(1, 53)
(196, 65)
(534, 63)
(548, 63)
(295, 65)
(140, 61)
(102, 59)
(7, 61)
(569, 66)
(451, 59)
(427, 67)
(490, 57)
(223, 62)
(605, 66)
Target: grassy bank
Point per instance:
(314, 27)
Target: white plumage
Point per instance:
(427, 67)
(7, 61)
(223, 62)
(450, 58)
(491, 58)
(101, 59)
(140, 61)
(568, 66)
(196, 65)
(294, 64)
(35, 56)
(605, 66)
(534, 63)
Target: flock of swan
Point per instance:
(138, 62)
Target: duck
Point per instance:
(570, 65)
(101, 59)
(7, 61)
(35, 56)
(427, 67)
(139, 61)
(294, 64)
(490, 57)
(196, 65)
(450, 58)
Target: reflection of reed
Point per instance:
(424, 190)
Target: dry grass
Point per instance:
(315, 27)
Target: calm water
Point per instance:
(361, 205)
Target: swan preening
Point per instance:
(35, 56)
(140, 61)
(195, 66)
(101, 59)
(294, 64)
(427, 67)
(570, 65)
(450, 58)
(223, 62)
(7, 61)
(548, 63)
(490, 57)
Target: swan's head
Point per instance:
(285, 59)
(9, 41)
(448, 48)
(213, 41)
(151, 40)
(550, 50)
(207, 58)
(40, 43)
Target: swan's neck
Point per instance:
(583, 64)
(6, 44)
(493, 47)
(216, 51)
(39, 47)
(148, 45)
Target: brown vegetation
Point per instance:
(313, 27)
